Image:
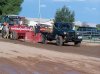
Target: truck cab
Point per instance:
(62, 33)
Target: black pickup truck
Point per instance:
(62, 33)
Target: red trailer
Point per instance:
(21, 31)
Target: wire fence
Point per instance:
(90, 36)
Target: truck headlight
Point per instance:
(78, 33)
(79, 37)
(65, 33)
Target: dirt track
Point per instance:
(18, 57)
(34, 66)
(93, 51)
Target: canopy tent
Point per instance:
(32, 23)
(50, 23)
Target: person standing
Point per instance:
(21, 22)
(37, 28)
(5, 30)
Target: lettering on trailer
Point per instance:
(22, 29)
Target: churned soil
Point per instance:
(18, 57)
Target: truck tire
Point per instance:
(44, 39)
(13, 35)
(77, 44)
(59, 40)
(3, 33)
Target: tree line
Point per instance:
(63, 14)
(8, 7)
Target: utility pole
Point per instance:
(39, 13)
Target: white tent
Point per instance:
(32, 23)
(50, 23)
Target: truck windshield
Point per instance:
(66, 26)
(14, 21)
(11, 20)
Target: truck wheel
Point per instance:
(44, 39)
(59, 40)
(13, 35)
(77, 43)
(3, 33)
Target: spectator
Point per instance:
(6, 30)
(37, 28)
(21, 22)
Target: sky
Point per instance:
(85, 10)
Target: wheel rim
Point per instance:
(58, 41)
(43, 39)
(3, 34)
(11, 36)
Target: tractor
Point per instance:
(16, 30)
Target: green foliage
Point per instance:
(85, 24)
(64, 15)
(8, 7)
(98, 26)
(76, 27)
